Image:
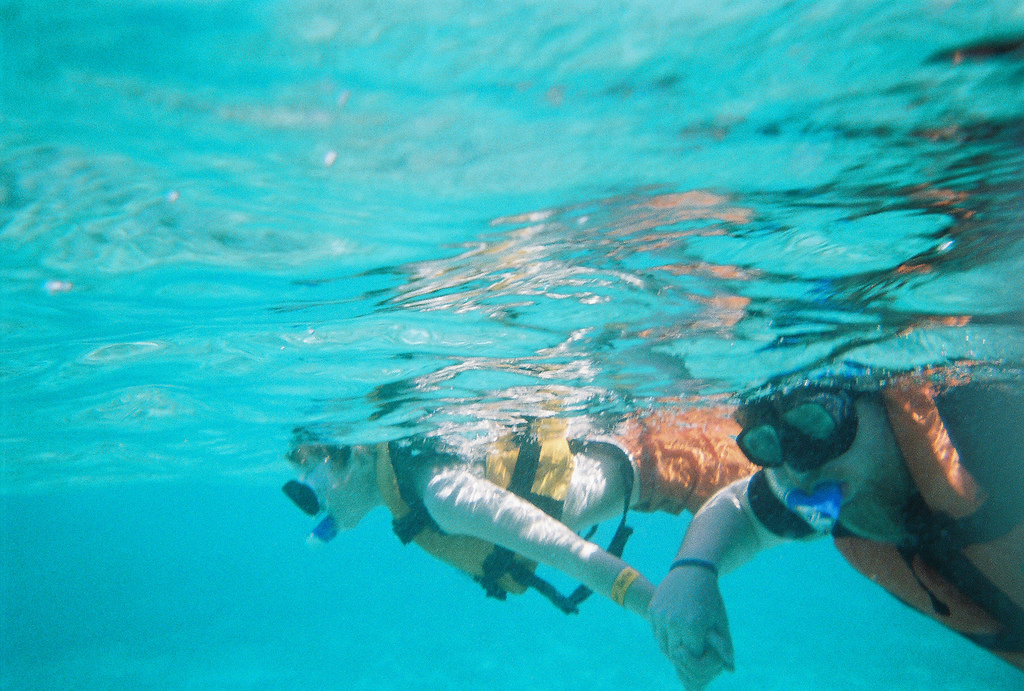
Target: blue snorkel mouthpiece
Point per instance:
(326, 530)
(820, 508)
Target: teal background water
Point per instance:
(220, 220)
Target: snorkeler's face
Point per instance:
(863, 472)
(339, 481)
(352, 489)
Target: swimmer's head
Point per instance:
(335, 482)
(308, 451)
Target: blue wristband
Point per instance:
(701, 563)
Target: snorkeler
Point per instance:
(921, 487)
(497, 512)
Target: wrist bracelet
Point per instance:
(702, 563)
(622, 583)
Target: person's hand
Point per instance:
(688, 618)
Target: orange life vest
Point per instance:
(965, 571)
(683, 456)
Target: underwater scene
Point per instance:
(237, 236)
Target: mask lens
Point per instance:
(812, 419)
(302, 496)
(761, 445)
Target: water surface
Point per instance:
(223, 219)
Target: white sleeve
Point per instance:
(462, 503)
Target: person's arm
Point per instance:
(462, 503)
(687, 613)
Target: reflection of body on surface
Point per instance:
(921, 487)
(497, 508)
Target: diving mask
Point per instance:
(802, 429)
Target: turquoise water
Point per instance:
(223, 219)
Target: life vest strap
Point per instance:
(418, 519)
(415, 518)
(958, 526)
(622, 533)
(524, 477)
(501, 561)
(517, 464)
(498, 563)
(941, 543)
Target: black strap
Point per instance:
(938, 606)
(568, 604)
(525, 472)
(501, 560)
(623, 531)
(771, 512)
(418, 519)
(413, 523)
(940, 542)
